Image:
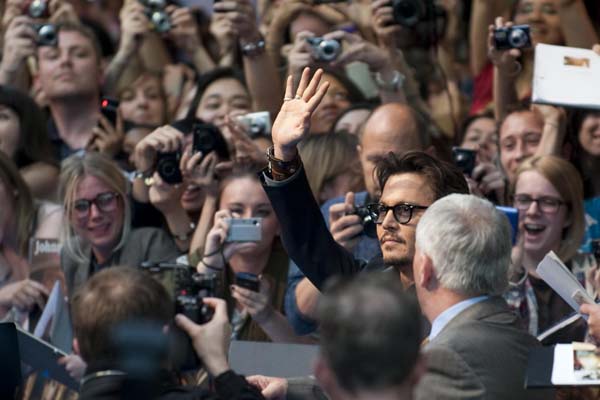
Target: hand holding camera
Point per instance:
(19, 43)
(228, 236)
(108, 135)
(134, 26)
(358, 49)
(184, 31)
(160, 149)
(505, 43)
(255, 302)
(210, 340)
(242, 16)
(345, 224)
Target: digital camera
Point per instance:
(257, 124)
(324, 50)
(155, 10)
(46, 35)
(408, 12)
(190, 290)
(37, 9)
(464, 159)
(367, 220)
(205, 138)
(244, 230)
(167, 167)
(514, 37)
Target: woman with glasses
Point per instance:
(97, 219)
(548, 193)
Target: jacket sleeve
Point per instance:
(231, 386)
(304, 233)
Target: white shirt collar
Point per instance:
(442, 320)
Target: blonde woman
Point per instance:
(97, 221)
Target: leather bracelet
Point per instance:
(281, 170)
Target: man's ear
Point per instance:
(76, 347)
(326, 378)
(359, 149)
(424, 274)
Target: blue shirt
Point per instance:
(448, 315)
(592, 216)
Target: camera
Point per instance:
(257, 124)
(205, 138)
(190, 290)
(155, 10)
(244, 230)
(167, 167)
(46, 34)
(464, 159)
(367, 220)
(514, 37)
(408, 13)
(37, 9)
(324, 50)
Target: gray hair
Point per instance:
(469, 243)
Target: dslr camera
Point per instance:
(190, 290)
(257, 124)
(514, 37)
(367, 220)
(155, 10)
(37, 9)
(205, 138)
(324, 50)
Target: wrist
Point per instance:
(285, 153)
(216, 366)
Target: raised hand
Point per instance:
(293, 121)
(505, 60)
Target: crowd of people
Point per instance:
(308, 172)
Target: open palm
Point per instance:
(293, 121)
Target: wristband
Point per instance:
(253, 49)
(279, 169)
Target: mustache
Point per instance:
(387, 237)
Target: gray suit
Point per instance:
(480, 354)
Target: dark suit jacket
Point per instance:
(480, 354)
(304, 233)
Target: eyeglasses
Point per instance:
(403, 212)
(546, 204)
(105, 202)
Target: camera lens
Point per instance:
(329, 49)
(47, 35)
(161, 22)
(406, 12)
(517, 38)
(167, 168)
(37, 9)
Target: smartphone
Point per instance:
(108, 108)
(247, 281)
(244, 230)
(464, 159)
(513, 217)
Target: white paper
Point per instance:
(49, 311)
(566, 76)
(557, 275)
(563, 372)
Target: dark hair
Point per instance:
(112, 296)
(468, 121)
(369, 105)
(354, 93)
(370, 331)
(85, 31)
(34, 144)
(575, 118)
(443, 178)
(204, 81)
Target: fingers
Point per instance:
(314, 102)
(304, 82)
(219, 306)
(289, 87)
